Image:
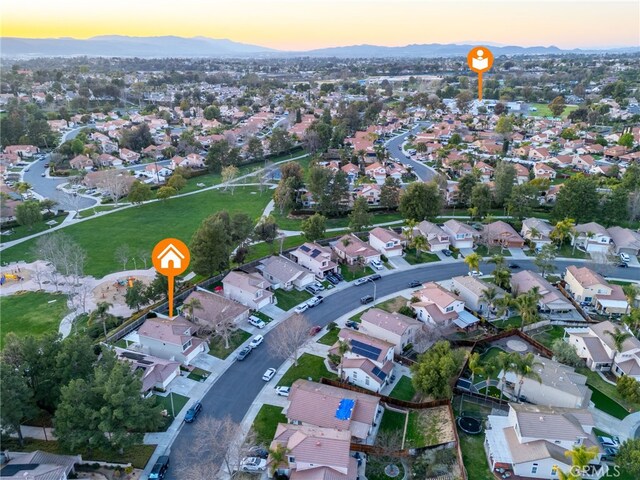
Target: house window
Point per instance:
(186, 345)
(366, 380)
(449, 309)
(534, 468)
(292, 459)
(355, 375)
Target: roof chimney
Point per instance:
(318, 443)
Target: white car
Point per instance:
(253, 464)
(257, 340)
(377, 264)
(301, 308)
(475, 273)
(268, 375)
(625, 257)
(256, 322)
(360, 281)
(283, 391)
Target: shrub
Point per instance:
(408, 311)
(384, 258)
(629, 388)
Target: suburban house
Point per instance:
(156, 372)
(81, 162)
(460, 234)
(522, 173)
(314, 453)
(129, 156)
(377, 172)
(171, 339)
(39, 465)
(284, 273)
(471, 291)
(552, 300)
(532, 440)
(592, 237)
(502, 234)
(315, 258)
(596, 346)
(436, 237)
(393, 328)
(352, 171)
(537, 231)
(542, 170)
(370, 192)
(319, 405)
(249, 289)
(440, 307)
(106, 160)
(385, 241)
(350, 249)
(559, 385)
(208, 309)
(585, 285)
(625, 240)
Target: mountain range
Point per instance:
(172, 46)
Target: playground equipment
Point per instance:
(9, 276)
(128, 282)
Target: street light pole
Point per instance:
(374, 290)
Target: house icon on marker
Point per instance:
(170, 258)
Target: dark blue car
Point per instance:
(193, 412)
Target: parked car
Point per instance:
(374, 277)
(623, 256)
(315, 330)
(257, 340)
(623, 265)
(447, 253)
(377, 264)
(332, 279)
(414, 283)
(193, 412)
(514, 266)
(283, 391)
(253, 464)
(244, 353)
(259, 452)
(268, 375)
(312, 289)
(475, 273)
(318, 286)
(609, 442)
(160, 468)
(312, 302)
(256, 322)
(339, 276)
(352, 324)
(361, 281)
(366, 299)
(301, 308)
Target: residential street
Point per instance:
(423, 172)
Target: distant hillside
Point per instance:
(170, 46)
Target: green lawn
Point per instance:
(606, 404)
(263, 249)
(287, 223)
(262, 316)
(474, 457)
(543, 110)
(567, 251)
(352, 272)
(511, 322)
(413, 258)
(288, 300)
(330, 337)
(266, 422)
(394, 421)
(547, 335)
(100, 208)
(137, 455)
(31, 313)
(607, 390)
(216, 344)
(198, 374)
(308, 366)
(143, 226)
(20, 231)
(179, 401)
(490, 251)
(404, 389)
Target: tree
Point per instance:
(504, 178)
(465, 187)
(140, 192)
(504, 127)
(503, 364)
(241, 227)
(17, 399)
(527, 306)
(280, 141)
(565, 353)
(619, 337)
(115, 184)
(481, 199)
(212, 112)
(420, 244)
(76, 359)
(629, 457)
(489, 296)
(473, 261)
(136, 295)
(626, 140)
(580, 456)
(474, 366)
(629, 388)
(48, 204)
(210, 246)
(229, 174)
(546, 259)
(525, 368)
(28, 213)
(165, 193)
(266, 230)
(578, 199)
(421, 201)
(360, 217)
(255, 150)
(562, 230)
(136, 139)
(557, 106)
(463, 100)
(434, 370)
(390, 193)
(523, 199)
(177, 182)
(292, 336)
(631, 292)
(122, 254)
(220, 155)
(101, 314)
(314, 227)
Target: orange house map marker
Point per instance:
(480, 60)
(170, 257)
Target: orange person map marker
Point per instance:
(480, 60)
(170, 257)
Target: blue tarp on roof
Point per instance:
(345, 408)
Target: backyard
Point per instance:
(393, 421)
(217, 347)
(266, 422)
(547, 335)
(404, 389)
(309, 366)
(31, 313)
(472, 446)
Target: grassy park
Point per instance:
(542, 110)
(31, 313)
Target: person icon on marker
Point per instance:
(480, 63)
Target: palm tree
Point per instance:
(562, 230)
(498, 261)
(343, 347)
(475, 366)
(619, 337)
(580, 458)
(489, 295)
(409, 229)
(527, 305)
(420, 244)
(502, 277)
(504, 363)
(278, 456)
(490, 369)
(534, 233)
(630, 292)
(473, 261)
(101, 314)
(524, 367)
(192, 305)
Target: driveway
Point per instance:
(517, 254)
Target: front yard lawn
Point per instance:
(393, 304)
(567, 251)
(352, 272)
(606, 404)
(216, 344)
(607, 391)
(309, 366)
(330, 337)
(404, 389)
(266, 422)
(491, 251)
(290, 299)
(198, 374)
(31, 313)
(179, 401)
(262, 316)
(414, 258)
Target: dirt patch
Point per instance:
(436, 425)
(115, 292)
(393, 304)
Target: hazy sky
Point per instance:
(304, 24)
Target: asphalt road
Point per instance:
(235, 390)
(394, 146)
